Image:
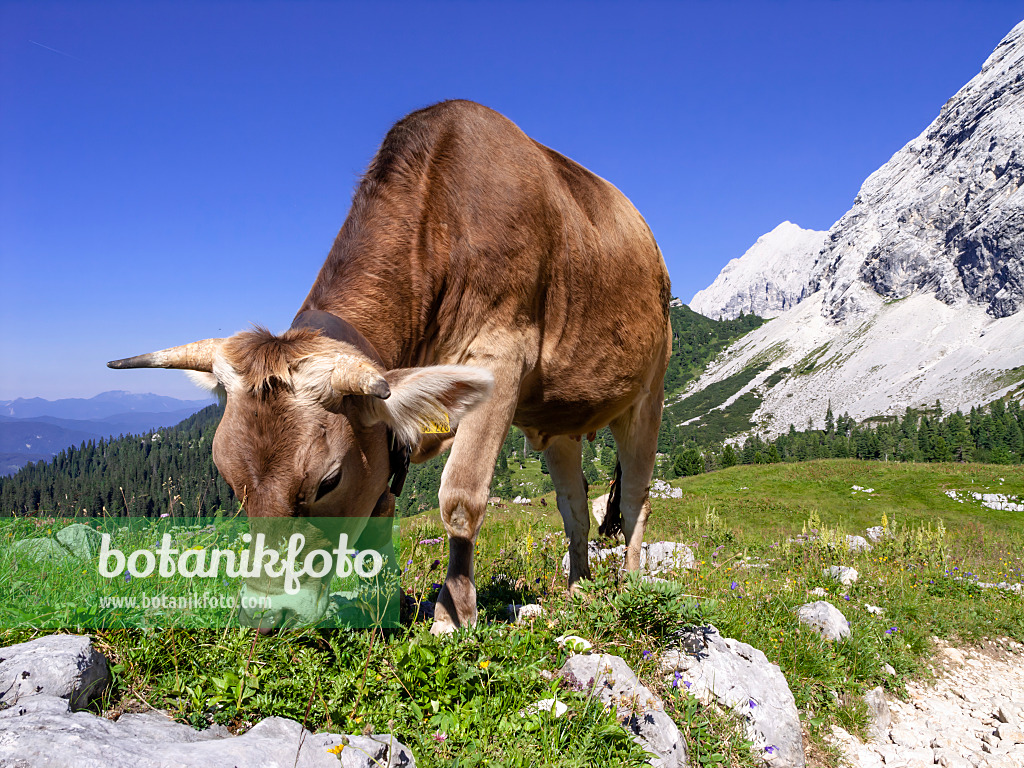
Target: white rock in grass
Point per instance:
(641, 712)
(574, 643)
(740, 677)
(818, 592)
(842, 573)
(857, 544)
(876, 533)
(655, 557)
(54, 674)
(38, 733)
(81, 540)
(825, 618)
(65, 666)
(522, 613)
(667, 555)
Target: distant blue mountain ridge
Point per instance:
(101, 406)
(35, 429)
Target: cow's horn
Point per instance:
(197, 356)
(354, 375)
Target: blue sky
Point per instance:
(173, 171)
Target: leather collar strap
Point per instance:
(339, 329)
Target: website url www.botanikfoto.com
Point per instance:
(185, 602)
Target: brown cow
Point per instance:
(481, 275)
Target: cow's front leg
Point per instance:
(465, 487)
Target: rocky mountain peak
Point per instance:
(945, 215)
(915, 295)
(768, 279)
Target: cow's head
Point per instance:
(306, 420)
(304, 431)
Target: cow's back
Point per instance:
(489, 237)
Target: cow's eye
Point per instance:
(328, 484)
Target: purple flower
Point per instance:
(675, 680)
(646, 654)
(734, 585)
(892, 630)
(127, 577)
(687, 684)
(770, 749)
(846, 597)
(753, 703)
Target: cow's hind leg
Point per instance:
(564, 459)
(465, 486)
(636, 436)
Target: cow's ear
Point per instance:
(423, 398)
(210, 383)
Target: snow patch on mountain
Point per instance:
(771, 277)
(910, 352)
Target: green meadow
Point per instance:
(762, 535)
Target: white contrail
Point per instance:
(55, 50)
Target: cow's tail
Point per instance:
(612, 524)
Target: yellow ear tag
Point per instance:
(438, 426)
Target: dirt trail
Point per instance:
(970, 716)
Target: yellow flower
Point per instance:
(485, 664)
(336, 750)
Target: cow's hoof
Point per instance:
(444, 622)
(441, 627)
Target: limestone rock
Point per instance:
(41, 731)
(655, 557)
(879, 717)
(524, 613)
(857, 544)
(46, 551)
(824, 618)
(875, 534)
(80, 540)
(844, 574)
(740, 677)
(43, 682)
(64, 666)
(641, 712)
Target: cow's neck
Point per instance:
(367, 283)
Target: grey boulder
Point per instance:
(641, 712)
(43, 682)
(46, 551)
(740, 677)
(64, 666)
(825, 619)
(857, 544)
(41, 731)
(842, 573)
(80, 540)
(655, 557)
(879, 717)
